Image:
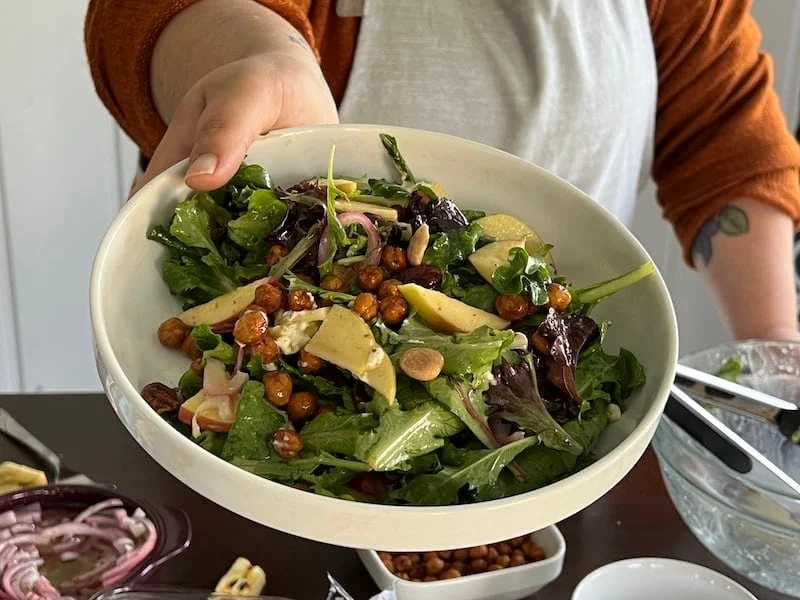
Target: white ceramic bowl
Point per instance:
(129, 300)
(658, 579)
(512, 583)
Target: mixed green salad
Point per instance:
(368, 339)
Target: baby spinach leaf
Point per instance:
(452, 248)
(320, 385)
(256, 420)
(264, 213)
(190, 383)
(607, 377)
(213, 441)
(524, 274)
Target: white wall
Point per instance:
(65, 169)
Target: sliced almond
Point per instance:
(422, 364)
(418, 244)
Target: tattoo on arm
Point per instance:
(731, 220)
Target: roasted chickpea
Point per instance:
(402, 563)
(532, 551)
(332, 283)
(302, 407)
(492, 554)
(445, 554)
(389, 288)
(267, 349)
(504, 548)
(415, 558)
(478, 552)
(275, 253)
(517, 541)
(389, 565)
(394, 309)
(394, 259)
(458, 566)
(190, 348)
(558, 296)
(434, 566)
(539, 343)
(516, 555)
(494, 567)
(503, 560)
(278, 387)
(198, 366)
(404, 576)
(369, 278)
(172, 332)
(251, 327)
(461, 555)
(268, 297)
(299, 300)
(450, 574)
(517, 560)
(287, 443)
(429, 578)
(417, 572)
(428, 555)
(366, 306)
(511, 307)
(308, 362)
(478, 564)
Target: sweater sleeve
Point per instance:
(720, 132)
(120, 36)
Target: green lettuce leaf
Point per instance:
(264, 213)
(213, 441)
(190, 383)
(467, 403)
(602, 376)
(479, 472)
(403, 435)
(256, 421)
(451, 249)
(295, 283)
(731, 369)
(306, 467)
(192, 225)
(337, 433)
(524, 274)
(212, 345)
(253, 176)
(323, 387)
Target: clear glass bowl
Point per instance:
(744, 522)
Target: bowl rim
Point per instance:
(557, 557)
(644, 429)
(682, 565)
(708, 497)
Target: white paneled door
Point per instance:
(65, 169)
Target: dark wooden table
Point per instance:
(635, 519)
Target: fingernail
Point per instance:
(205, 164)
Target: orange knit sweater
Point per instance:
(720, 133)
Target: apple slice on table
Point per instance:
(345, 340)
(446, 314)
(222, 308)
(209, 418)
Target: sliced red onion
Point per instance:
(99, 507)
(373, 237)
(216, 381)
(240, 355)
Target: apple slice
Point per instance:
(446, 314)
(345, 340)
(487, 259)
(505, 227)
(210, 418)
(348, 186)
(387, 214)
(223, 307)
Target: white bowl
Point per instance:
(658, 579)
(129, 300)
(512, 583)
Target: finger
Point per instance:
(224, 132)
(176, 143)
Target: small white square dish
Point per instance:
(512, 583)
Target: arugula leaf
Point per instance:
(524, 274)
(410, 392)
(480, 470)
(264, 213)
(212, 345)
(337, 433)
(299, 469)
(396, 194)
(256, 420)
(452, 455)
(585, 299)
(190, 383)
(731, 369)
(467, 404)
(322, 386)
(606, 377)
(403, 435)
(390, 144)
(517, 395)
(466, 355)
(451, 249)
(295, 283)
(336, 234)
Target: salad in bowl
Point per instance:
(367, 339)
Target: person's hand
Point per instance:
(226, 110)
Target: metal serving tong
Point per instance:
(738, 398)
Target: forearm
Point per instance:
(746, 256)
(213, 33)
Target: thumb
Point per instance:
(224, 133)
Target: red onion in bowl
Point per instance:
(373, 237)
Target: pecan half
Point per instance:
(161, 398)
